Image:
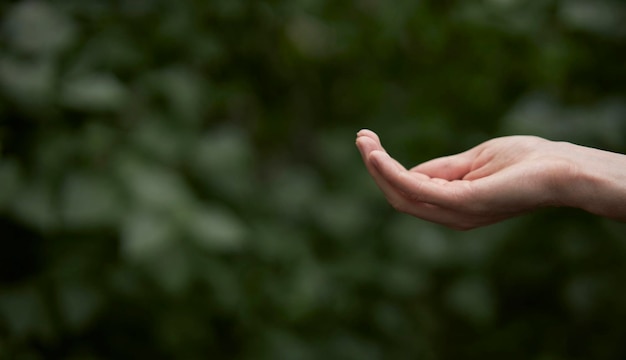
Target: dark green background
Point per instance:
(178, 179)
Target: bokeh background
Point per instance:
(178, 179)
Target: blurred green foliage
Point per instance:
(178, 179)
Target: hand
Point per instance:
(494, 181)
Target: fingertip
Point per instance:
(359, 143)
(367, 133)
(364, 139)
(366, 144)
(370, 140)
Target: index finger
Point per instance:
(367, 146)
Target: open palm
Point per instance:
(496, 180)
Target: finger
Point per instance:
(426, 211)
(368, 133)
(368, 143)
(366, 147)
(449, 217)
(453, 167)
(417, 187)
(433, 213)
(372, 135)
(371, 142)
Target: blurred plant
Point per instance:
(178, 179)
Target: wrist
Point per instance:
(596, 181)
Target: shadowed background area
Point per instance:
(178, 179)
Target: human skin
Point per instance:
(499, 179)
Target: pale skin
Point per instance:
(499, 179)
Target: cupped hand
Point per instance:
(493, 181)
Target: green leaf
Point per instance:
(38, 27)
(78, 304)
(307, 288)
(215, 229)
(27, 83)
(543, 115)
(171, 270)
(10, 180)
(313, 37)
(293, 190)
(224, 160)
(25, 313)
(146, 235)
(162, 141)
(154, 186)
(600, 16)
(90, 200)
(34, 206)
(404, 281)
(184, 91)
(584, 292)
(93, 92)
(414, 239)
(340, 216)
(472, 298)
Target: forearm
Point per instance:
(598, 183)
